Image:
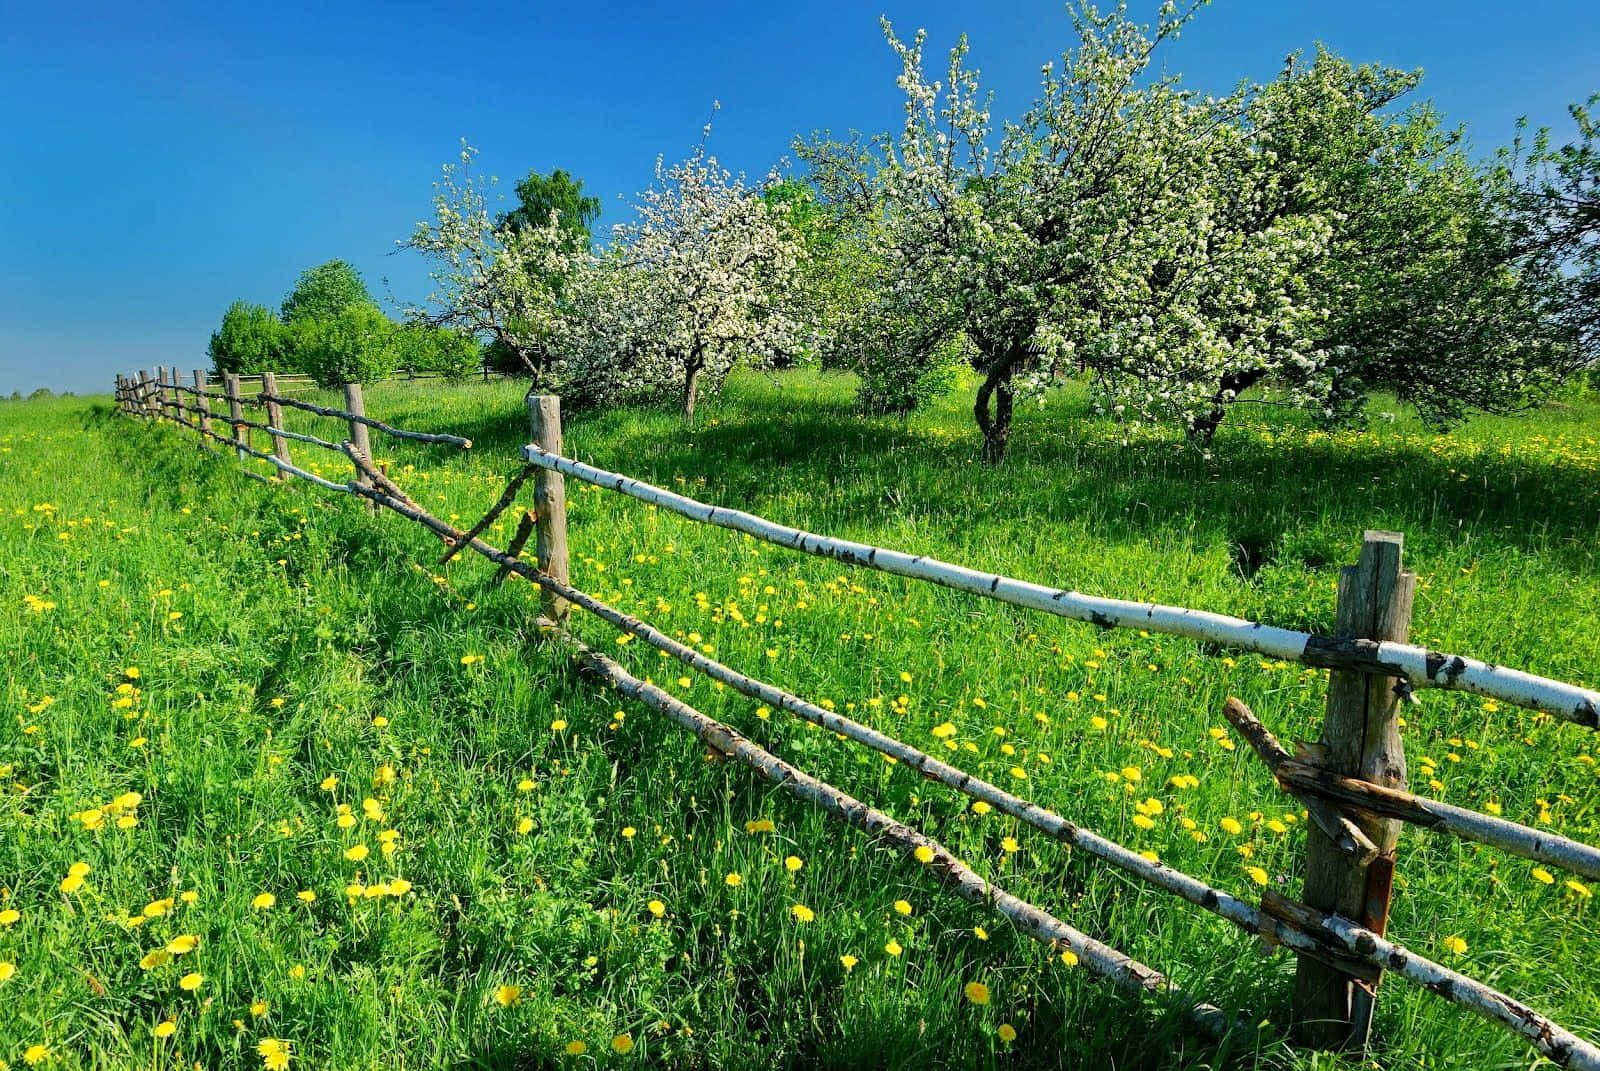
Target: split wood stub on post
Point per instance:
(549, 503)
(1360, 738)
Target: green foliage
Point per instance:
(358, 344)
(426, 348)
(285, 642)
(887, 388)
(539, 195)
(325, 291)
(251, 339)
(1556, 201)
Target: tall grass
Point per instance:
(295, 654)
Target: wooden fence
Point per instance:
(1352, 786)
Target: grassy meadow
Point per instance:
(276, 790)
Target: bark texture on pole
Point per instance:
(1361, 739)
(241, 436)
(357, 407)
(280, 445)
(205, 408)
(549, 504)
(1420, 667)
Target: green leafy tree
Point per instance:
(558, 192)
(251, 339)
(1556, 201)
(357, 344)
(426, 348)
(325, 291)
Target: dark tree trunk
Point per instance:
(691, 383)
(1232, 385)
(994, 420)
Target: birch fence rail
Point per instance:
(1352, 783)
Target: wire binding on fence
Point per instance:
(1418, 666)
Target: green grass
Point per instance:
(316, 641)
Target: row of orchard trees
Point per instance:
(1316, 235)
(329, 327)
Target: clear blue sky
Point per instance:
(162, 160)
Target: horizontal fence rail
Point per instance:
(1418, 666)
(1352, 949)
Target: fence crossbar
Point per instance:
(1417, 666)
(1295, 926)
(387, 429)
(1307, 781)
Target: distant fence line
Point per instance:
(1354, 794)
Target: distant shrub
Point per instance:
(251, 339)
(356, 345)
(426, 348)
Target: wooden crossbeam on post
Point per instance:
(1360, 738)
(280, 445)
(549, 503)
(169, 393)
(360, 438)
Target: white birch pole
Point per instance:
(1418, 666)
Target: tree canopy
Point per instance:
(325, 291)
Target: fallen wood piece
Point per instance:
(1126, 973)
(1419, 666)
(1312, 783)
(1345, 834)
(509, 496)
(387, 429)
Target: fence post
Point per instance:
(241, 434)
(203, 418)
(1360, 738)
(356, 405)
(280, 445)
(142, 398)
(116, 393)
(549, 503)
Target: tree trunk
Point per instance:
(691, 383)
(1232, 385)
(995, 425)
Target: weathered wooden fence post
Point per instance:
(203, 418)
(116, 392)
(549, 503)
(142, 398)
(1360, 738)
(280, 445)
(169, 393)
(240, 433)
(356, 405)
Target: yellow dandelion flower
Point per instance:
(183, 944)
(153, 959)
(306, 896)
(262, 901)
(1257, 875)
(1455, 945)
(802, 913)
(1543, 876)
(1009, 844)
(1231, 826)
(165, 1028)
(191, 981)
(507, 995)
(576, 1048)
(924, 854)
(1578, 887)
(902, 907)
(1144, 822)
(559, 725)
(8, 971)
(1007, 1032)
(893, 948)
(1019, 773)
(1069, 957)
(355, 853)
(622, 1044)
(657, 908)
(734, 880)
(9, 916)
(34, 1055)
(980, 933)
(258, 1008)
(976, 992)
(981, 807)
(849, 962)
(399, 887)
